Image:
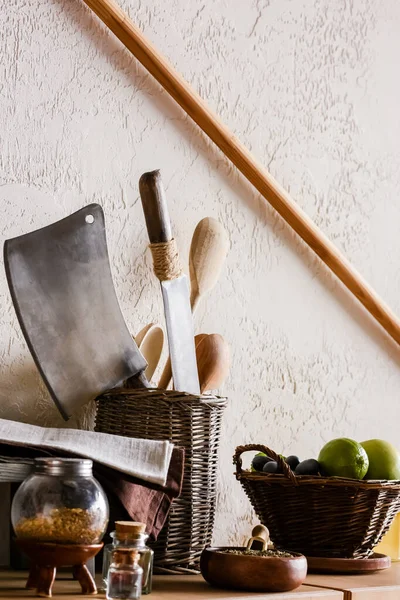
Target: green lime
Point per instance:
(343, 457)
(384, 460)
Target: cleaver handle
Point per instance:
(155, 207)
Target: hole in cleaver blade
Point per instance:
(62, 289)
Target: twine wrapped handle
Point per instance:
(283, 466)
(166, 264)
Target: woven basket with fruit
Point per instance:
(338, 506)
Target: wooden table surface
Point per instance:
(383, 585)
(175, 587)
(185, 587)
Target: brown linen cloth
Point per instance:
(129, 498)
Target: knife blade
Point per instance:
(174, 284)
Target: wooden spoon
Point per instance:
(213, 360)
(208, 250)
(150, 341)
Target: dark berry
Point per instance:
(292, 461)
(259, 461)
(271, 467)
(308, 467)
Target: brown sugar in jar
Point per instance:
(60, 502)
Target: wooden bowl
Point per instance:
(252, 573)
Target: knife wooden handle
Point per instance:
(155, 207)
(162, 245)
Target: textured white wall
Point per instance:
(312, 88)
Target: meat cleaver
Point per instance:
(62, 289)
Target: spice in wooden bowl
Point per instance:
(261, 553)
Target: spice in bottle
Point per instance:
(124, 580)
(131, 535)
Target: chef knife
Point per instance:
(174, 284)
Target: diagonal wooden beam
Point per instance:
(134, 40)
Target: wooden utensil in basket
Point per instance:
(213, 360)
(319, 516)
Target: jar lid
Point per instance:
(64, 466)
(130, 527)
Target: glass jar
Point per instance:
(124, 575)
(61, 502)
(130, 535)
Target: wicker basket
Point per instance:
(193, 423)
(318, 516)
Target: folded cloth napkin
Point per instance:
(146, 460)
(129, 497)
(146, 503)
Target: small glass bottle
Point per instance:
(131, 535)
(124, 575)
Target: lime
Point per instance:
(384, 460)
(343, 457)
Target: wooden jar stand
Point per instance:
(47, 558)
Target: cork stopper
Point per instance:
(129, 528)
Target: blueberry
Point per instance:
(308, 467)
(292, 461)
(259, 461)
(271, 467)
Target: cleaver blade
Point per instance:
(63, 293)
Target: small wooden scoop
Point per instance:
(213, 360)
(259, 538)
